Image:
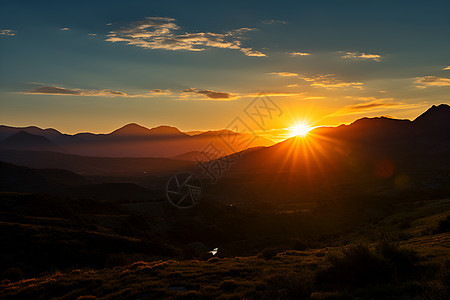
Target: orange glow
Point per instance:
(299, 129)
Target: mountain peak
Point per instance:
(165, 130)
(131, 129)
(441, 111)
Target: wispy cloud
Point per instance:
(55, 90)
(299, 53)
(92, 34)
(328, 81)
(7, 32)
(65, 29)
(186, 94)
(361, 56)
(372, 104)
(269, 22)
(432, 81)
(446, 68)
(275, 94)
(160, 92)
(284, 74)
(164, 33)
(209, 94)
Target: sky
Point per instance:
(95, 66)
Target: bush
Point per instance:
(361, 266)
(357, 266)
(290, 285)
(403, 260)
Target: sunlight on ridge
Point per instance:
(299, 129)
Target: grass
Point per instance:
(383, 269)
(349, 265)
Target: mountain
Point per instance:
(367, 157)
(131, 130)
(133, 140)
(23, 140)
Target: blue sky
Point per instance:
(96, 65)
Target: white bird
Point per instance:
(214, 251)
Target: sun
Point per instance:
(299, 129)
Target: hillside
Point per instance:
(131, 140)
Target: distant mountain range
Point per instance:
(131, 140)
(371, 156)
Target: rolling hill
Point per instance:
(131, 140)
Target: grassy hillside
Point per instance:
(403, 255)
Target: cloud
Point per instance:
(284, 74)
(328, 81)
(446, 68)
(92, 34)
(65, 29)
(55, 90)
(432, 81)
(372, 104)
(160, 92)
(251, 52)
(208, 93)
(7, 32)
(275, 94)
(164, 33)
(361, 56)
(269, 22)
(299, 53)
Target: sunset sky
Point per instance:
(97, 65)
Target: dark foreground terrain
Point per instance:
(360, 211)
(56, 248)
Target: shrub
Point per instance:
(360, 266)
(403, 260)
(357, 266)
(286, 285)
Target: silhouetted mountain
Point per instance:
(131, 130)
(133, 140)
(49, 133)
(435, 117)
(434, 125)
(23, 140)
(371, 154)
